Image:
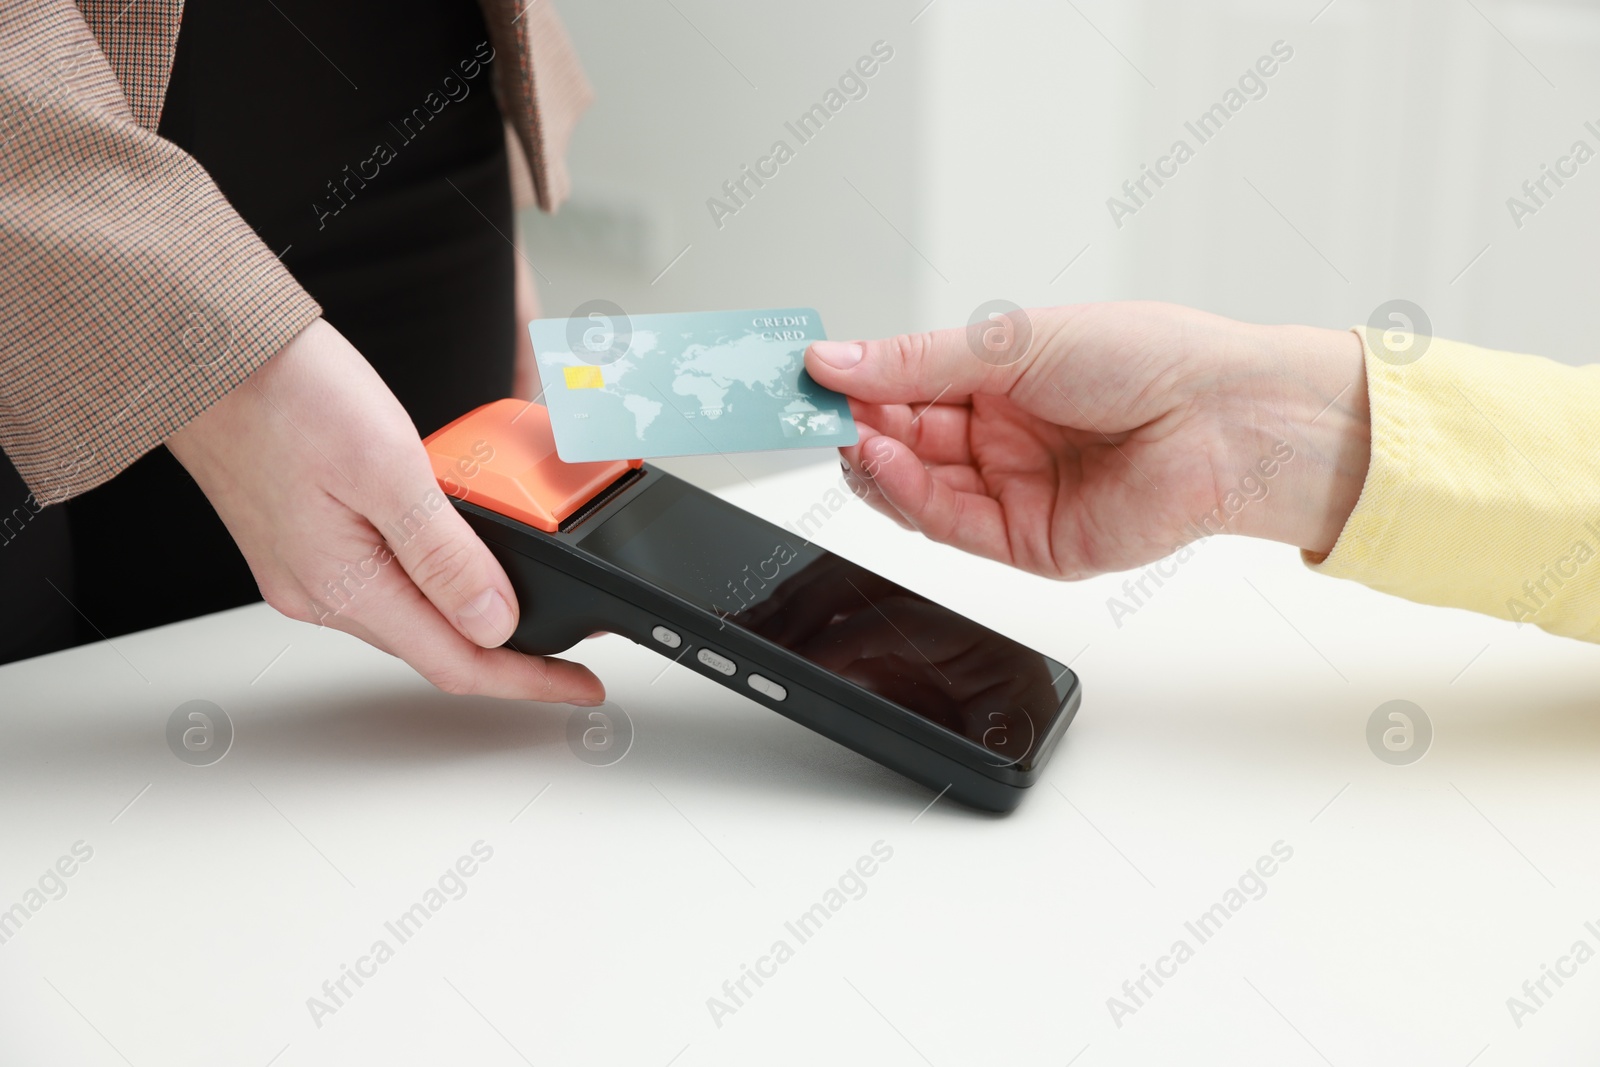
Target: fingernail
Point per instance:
(487, 620)
(586, 702)
(840, 354)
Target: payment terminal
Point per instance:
(625, 548)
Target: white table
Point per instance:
(1226, 715)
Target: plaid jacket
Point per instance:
(132, 295)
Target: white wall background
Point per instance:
(688, 93)
(982, 157)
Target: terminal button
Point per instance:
(666, 637)
(718, 663)
(767, 687)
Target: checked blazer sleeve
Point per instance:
(542, 91)
(132, 295)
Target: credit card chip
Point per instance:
(586, 377)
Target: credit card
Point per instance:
(687, 384)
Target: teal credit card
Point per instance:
(689, 384)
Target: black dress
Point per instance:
(363, 142)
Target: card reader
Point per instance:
(623, 547)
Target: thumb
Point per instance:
(452, 567)
(986, 357)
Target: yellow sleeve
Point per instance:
(1484, 487)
